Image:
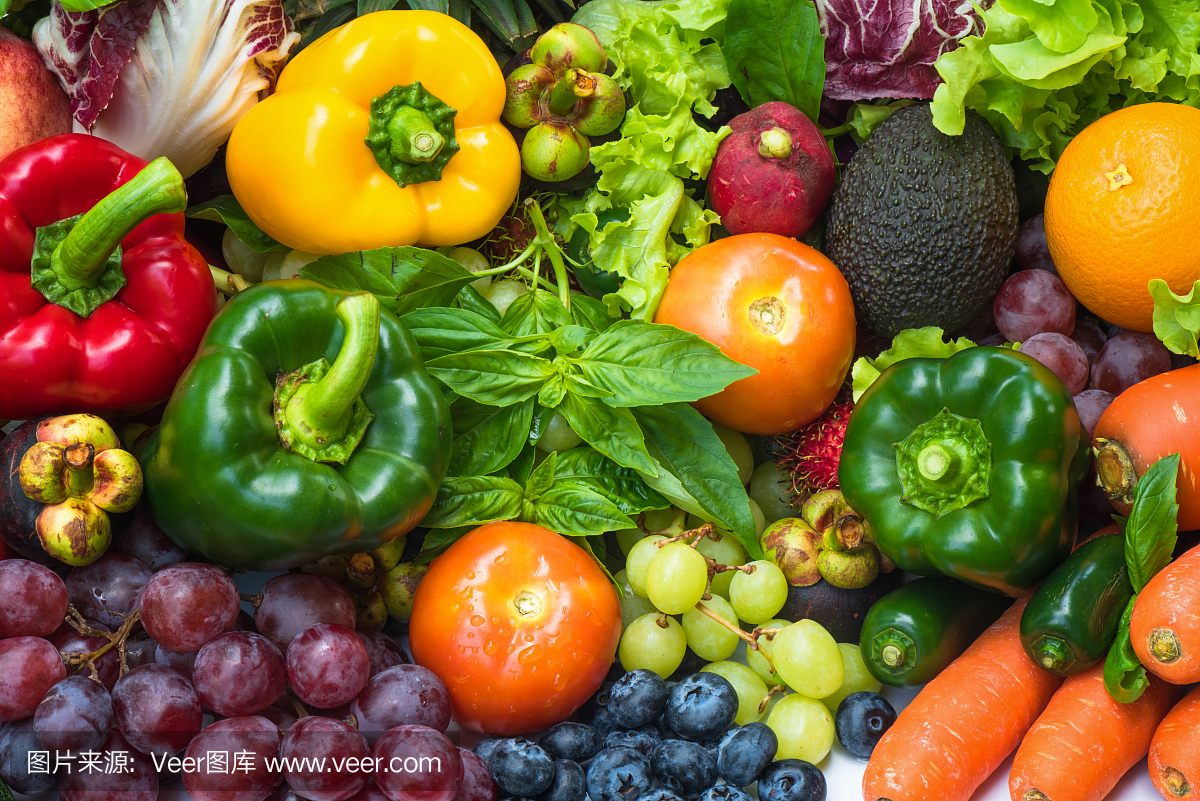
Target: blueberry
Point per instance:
(484, 748)
(725, 792)
(862, 718)
(662, 794)
(569, 783)
(578, 742)
(637, 698)
(619, 774)
(645, 739)
(701, 706)
(685, 767)
(604, 723)
(520, 767)
(791, 780)
(745, 753)
(592, 706)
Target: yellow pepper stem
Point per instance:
(411, 134)
(414, 139)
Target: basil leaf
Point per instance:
(685, 446)
(494, 377)
(488, 438)
(590, 313)
(226, 209)
(522, 466)
(552, 392)
(474, 500)
(1150, 531)
(541, 419)
(644, 364)
(774, 50)
(587, 468)
(577, 385)
(576, 511)
(437, 540)
(470, 299)
(611, 431)
(404, 278)
(441, 331)
(570, 338)
(1124, 675)
(535, 312)
(541, 479)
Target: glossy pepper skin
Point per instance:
(127, 354)
(968, 466)
(300, 165)
(218, 478)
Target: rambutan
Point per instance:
(810, 456)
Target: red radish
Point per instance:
(32, 104)
(774, 174)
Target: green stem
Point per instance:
(414, 139)
(832, 133)
(546, 239)
(320, 411)
(570, 88)
(934, 461)
(894, 651)
(228, 283)
(80, 478)
(1053, 654)
(81, 257)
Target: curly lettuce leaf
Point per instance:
(909, 344)
(1176, 317)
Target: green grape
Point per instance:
(808, 660)
(708, 638)
(628, 537)
(757, 661)
(724, 550)
(758, 596)
(804, 727)
(633, 605)
(738, 449)
(475, 262)
(857, 678)
(241, 258)
(502, 293)
(638, 560)
(756, 514)
(646, 644)
(768, 489)
(676, 578)
(750, 689)
(668, 522)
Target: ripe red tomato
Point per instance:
(776, 305)
(520, 623)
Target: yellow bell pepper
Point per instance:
(439, 169)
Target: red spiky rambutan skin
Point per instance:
(810, 456)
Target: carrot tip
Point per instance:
(1165, 646)
(1175, 782)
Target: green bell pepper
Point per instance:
(305, 426)
(968, 466)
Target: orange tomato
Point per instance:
(519, 622)
(776, 305)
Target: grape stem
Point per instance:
(664, 621)
(778, 688)
(253, 600)
(751, 639)
(691, 537)
(116, 639)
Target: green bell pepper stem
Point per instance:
(320, 411)
(81, 257)
(414, 139)
(1053, 654)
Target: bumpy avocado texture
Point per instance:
(924, 225)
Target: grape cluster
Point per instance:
(125, 661)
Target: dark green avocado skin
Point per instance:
(924, 225)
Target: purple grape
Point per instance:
(34, 599)
(138, 653)
(69, 641)
(29, 667)
(107, 589)
(1089, 337)
(1034, 302)
(382, 650)
(477, 784)
(327, 665)
(147, 543)
(134, 780)
(245, 744)
(294, 601)
(1090, 404)
(282, 718)
(186, 605)
(1129, 358)
(1032, 251)
(320, 738)
(400, 696)
(76, 715)
(370, 793)
(1060, 353)
(417, 763)
(21, 766)
(239, 673)
(156, 709)
(182, 662)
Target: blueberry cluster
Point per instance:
(646, 739)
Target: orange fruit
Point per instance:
(1124, 207)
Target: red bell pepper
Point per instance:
(101, 313)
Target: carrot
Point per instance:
(1085, 741)
(1175, 751)
(1165, 626)
(1156, 418)
(964, 723)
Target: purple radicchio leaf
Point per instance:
(886, 48)
(88, 50)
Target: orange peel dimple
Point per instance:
(1118, 178)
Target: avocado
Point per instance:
(924, 225)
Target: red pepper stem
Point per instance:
(320, 411)
(81, 257)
